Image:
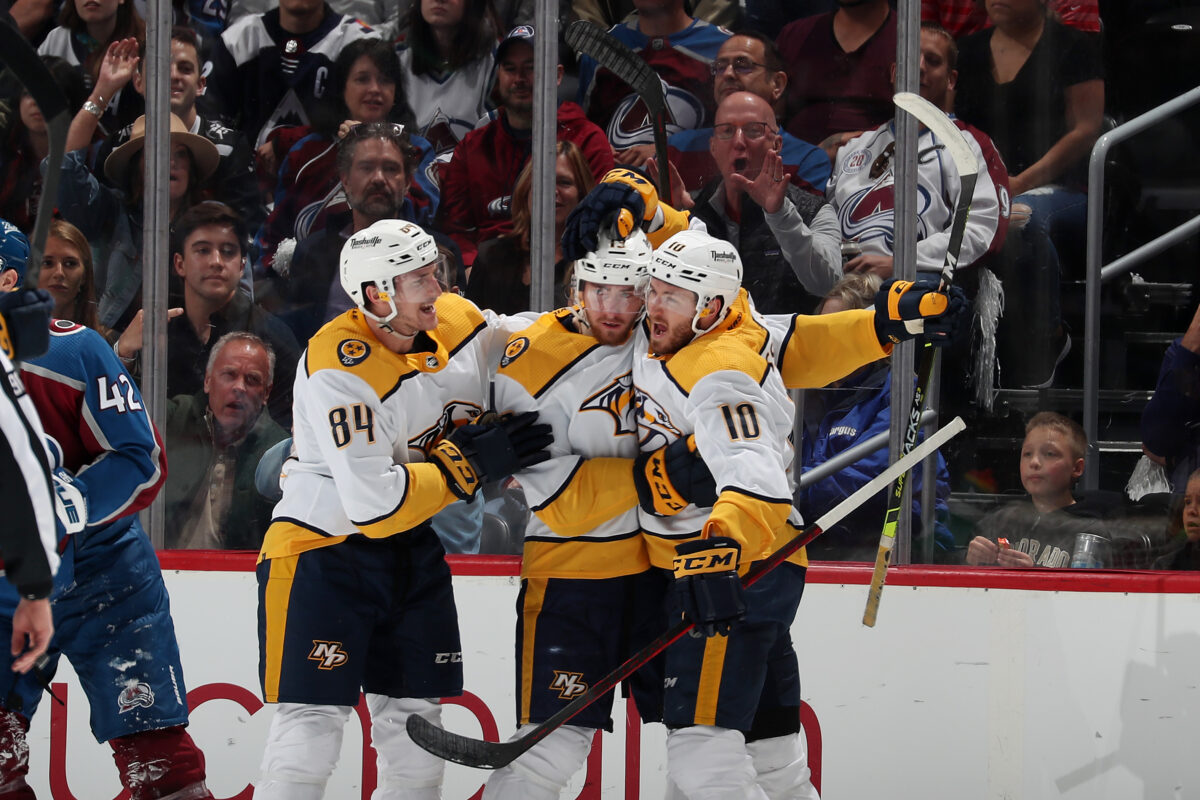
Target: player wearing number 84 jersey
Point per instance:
(354, 591)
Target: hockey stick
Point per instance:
(493, 755)
(592, 40)
(963, 157)
(28, 68)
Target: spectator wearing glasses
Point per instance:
(375, 162)
(748, 62)
(308, 195)
(478, 182)
(788, 238)
(679, 48)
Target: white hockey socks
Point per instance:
(406, 772)
(303, 745)
(542, 772)
(710, 763)
(782, 767)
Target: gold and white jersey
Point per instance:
(725, 388)
(815, 351)
(359, 409)
(585, 521)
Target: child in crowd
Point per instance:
(1185, 552)
(1041, 531)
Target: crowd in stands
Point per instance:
(294, 125)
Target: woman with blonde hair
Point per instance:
(500, 276)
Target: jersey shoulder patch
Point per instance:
(538, 355)
(346, 344)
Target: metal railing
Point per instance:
(1098, 275)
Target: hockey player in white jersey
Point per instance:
(703, 369)
(354, 591)
(585, 579)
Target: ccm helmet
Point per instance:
(617, 262)
(379, 253)
(703, 264)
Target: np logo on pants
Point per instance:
(568, 684)
(328, 654)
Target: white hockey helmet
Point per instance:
(378, 254)
(616, 262)
(703, 264)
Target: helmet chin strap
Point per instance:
(385, 323)
(407, 336)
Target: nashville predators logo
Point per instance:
(328, 654)
(568, 684)
(353, 351)
(515, 348)
(454, 413)
(654, 423)
(617, 399)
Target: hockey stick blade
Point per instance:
(28, 68)
(493, 755)
(955, 142)
(612, 54)
(944, 129)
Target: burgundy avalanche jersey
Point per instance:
(88, 402)
(681, 62)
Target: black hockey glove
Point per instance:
(707, 586)
(490, 448)
(600, 211)
(25, 323)
(671, 477)
(909, 310)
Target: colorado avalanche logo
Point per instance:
(307, 219)
(135, 695)
(444, 131)
(870, 214)
(654, 423)
(616, 399)
(455, 412)
(632, 123)
(353, 351)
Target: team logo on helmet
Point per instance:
(353, 351)
(136, 694)
(617, 400)
(514, 349)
